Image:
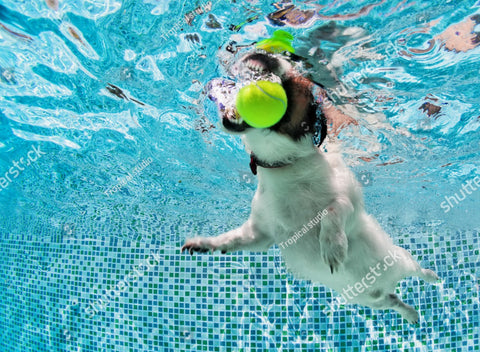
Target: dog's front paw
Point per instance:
(199, 244)
(430, 276)
(334, 250)
(410, 315)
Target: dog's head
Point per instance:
(292, 135)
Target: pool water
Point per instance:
(111, 156)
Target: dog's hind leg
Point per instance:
(413, 268)
(428, 275)
(391, 301)
(246, 237)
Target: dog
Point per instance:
(307, 201)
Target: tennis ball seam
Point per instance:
(271, 96)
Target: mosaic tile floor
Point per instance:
(64, 291)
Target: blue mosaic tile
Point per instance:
(68, 294)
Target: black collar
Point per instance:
(254, 162)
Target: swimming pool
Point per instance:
(110, 157)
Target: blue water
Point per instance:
(110, 154)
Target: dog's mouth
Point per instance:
(251, 68)
(256, 65)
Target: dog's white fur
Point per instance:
(339, 252)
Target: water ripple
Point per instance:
(36, 137)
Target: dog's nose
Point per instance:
(233, 122)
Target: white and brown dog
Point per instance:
(307, 201)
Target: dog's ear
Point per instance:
(312, 123)
(320, 126)
(317, 123)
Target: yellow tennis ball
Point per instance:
(262, 104)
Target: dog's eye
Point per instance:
(294, 57)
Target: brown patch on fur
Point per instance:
(300, 99)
